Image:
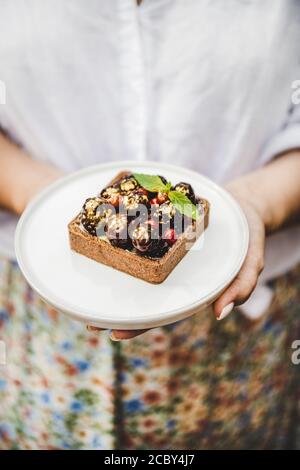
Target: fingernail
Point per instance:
(113, 337)
(93, 329)
(226, 311)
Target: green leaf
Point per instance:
(150, 182)
(183, 204)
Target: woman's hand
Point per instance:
(270, 198)
(245, 282)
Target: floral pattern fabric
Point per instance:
(197, 384)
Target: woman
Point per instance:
(202, 85)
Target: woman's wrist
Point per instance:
(21, 177)
(273, 191)
(245, 191)
(37, 176)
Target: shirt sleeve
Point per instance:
(287, 138)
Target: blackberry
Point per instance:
(132, 201)
(145, 244)
(109, 192)
(163, 179)
(128, 185)
(160, 250)
(94, 215)
(187, 190)
(111, 195)
(89, 218)
(116, 231)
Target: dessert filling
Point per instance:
(143, 214)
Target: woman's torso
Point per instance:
(199, 84)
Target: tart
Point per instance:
(140, 224)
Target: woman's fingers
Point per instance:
(117, 335)
(245, 282)
(239, 291)
(94, 329)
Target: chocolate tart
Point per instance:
(151, 267)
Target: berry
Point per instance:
(133, 200)
(142, 240)
(163, 179)
(142, 191)
(128, 184)
(110, 192)
(154, 202)
(115, 201)
(170, 236)
(91, 204)
(88, 224)
(160, 250)
(116, 231)
(161, 197)
(94, 215)
(187, 190)
(111, 196)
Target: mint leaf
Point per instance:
(150, 182)
(183, 204)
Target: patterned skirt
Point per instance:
(197, 384)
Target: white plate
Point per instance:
(99, 295)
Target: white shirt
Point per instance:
(205, 84)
